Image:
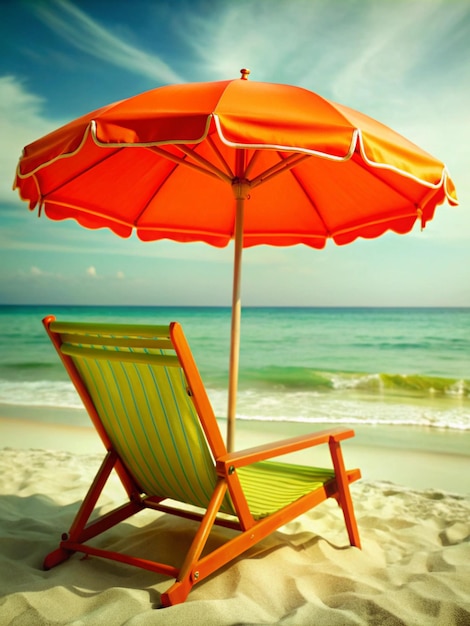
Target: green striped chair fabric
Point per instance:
(142, 397)
(144, 402)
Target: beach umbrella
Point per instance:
(252, 162)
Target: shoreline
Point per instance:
(413, 457)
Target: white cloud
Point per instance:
(385, 49)
(35, 275)
(120, 275)
(84, 33)
(91, 271)
(253, 35)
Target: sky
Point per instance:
(403, 62)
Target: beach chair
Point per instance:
(143, 392)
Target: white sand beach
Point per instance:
(412, 507)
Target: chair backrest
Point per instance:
(139, 388)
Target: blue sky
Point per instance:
(405, 63)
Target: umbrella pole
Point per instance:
(240, 191)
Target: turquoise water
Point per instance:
(338, 365)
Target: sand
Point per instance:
(412, 507)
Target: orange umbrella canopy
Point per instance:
(256, 162)
(168, 162)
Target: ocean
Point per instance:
(394, 366)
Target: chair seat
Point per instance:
(268, 486)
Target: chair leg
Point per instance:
(188, 574)
(92, 496)
(56, 558)
(350, 519)
(344, 494)
(61, 554)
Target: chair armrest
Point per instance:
(278, 448)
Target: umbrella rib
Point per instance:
(205, 163)
(181, 161)
(155, 192)
(220, 156)
(252, 162)
(312, 203)
(282, 166)
(350, 228)
(81, 172)
(376, 167)
(209, 169)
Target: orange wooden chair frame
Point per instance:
(196, 565)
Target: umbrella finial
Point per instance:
(244, 73)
